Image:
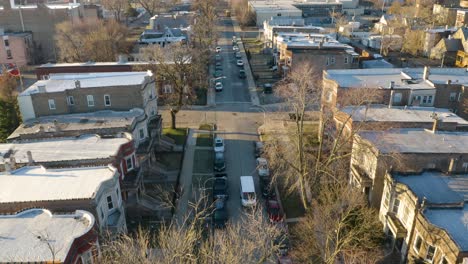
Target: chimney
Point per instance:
(392, 92)
(77, 84)
(435, 117)
(13, 162)
(30, 159)
(452, 165)
(7, 168)
(426, 73)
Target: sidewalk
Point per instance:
(250, 80)
(186, 178)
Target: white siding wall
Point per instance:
(26, 107)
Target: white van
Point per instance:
(247, 191)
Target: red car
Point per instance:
(275, 214)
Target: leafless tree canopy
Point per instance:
(97, 41)
(117, 7)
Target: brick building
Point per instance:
(31, 232)
(439, 87)
(16, 48)
(405, 150)
(94, 189)
(40, 18)
(424, 215)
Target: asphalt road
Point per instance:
(237, 121)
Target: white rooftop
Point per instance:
(66, 81)
(40, 184)
(410, 140)
(381, 113)
(86, 147)
(267, 6)
(403, 78)
(80, 122)
(312, 41)
(19, 234)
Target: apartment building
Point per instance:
(41, 17)
(435, 87)
(94, 189)
(404, 150)
(16, 48)
(278, 25)
(424, 215)
(321, 51)
(30, 235)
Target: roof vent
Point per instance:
(77, 84)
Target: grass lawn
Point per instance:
(206, 127)
(204, 140)
(203, 161)
(291, 202)
(178, 134)
(310, 132)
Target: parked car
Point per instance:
(262, 167)
(242, 74)
(220, 188)
(238, 55)
(240, 63)
(275, 214)
(218, 49)
(219, 86)
(218, 57)
(247, 191)
(235, 48)
(218, 73)
(220, 214)
(219, 162)
(219, 144)
(267, 88)
(258, 148)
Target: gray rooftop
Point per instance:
(19, 235)
(436, 187)
(381, 113)
(66, 81)
(410, 140)
(74, 64)
(403, 78)
(80, 122)
(86, 147)
(454, 221)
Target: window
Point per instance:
(429, 99)
(107, 101)
(430, 253)
(153, 111)
(346, 60)
(465, 166)
(397, 98)
(329, 96)
(7, 42)
(459, 97)
(8, 53)
(396, 206)
(90, 100)
(110, 205)
(141, 133)
(70, 100)
(387, 198)
(51, 104)
(332, 60)
(417, 243)
(406, 212)
(129, 162)
(444, 260)
(453, 97)
(167, 88)
(328, 61)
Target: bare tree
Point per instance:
(81, 42)
(204, 24)
(243, 13)
(152, 7)
(117, 7)
(177, 72)
(340, 228)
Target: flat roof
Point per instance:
(381, 113)
(453, 220)
(19, 234)
(35, 183)
(403, 78)
(412, 140)
(264, 6)
(66, 81)
(437, 187)
(85, 147)
(106, 119)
